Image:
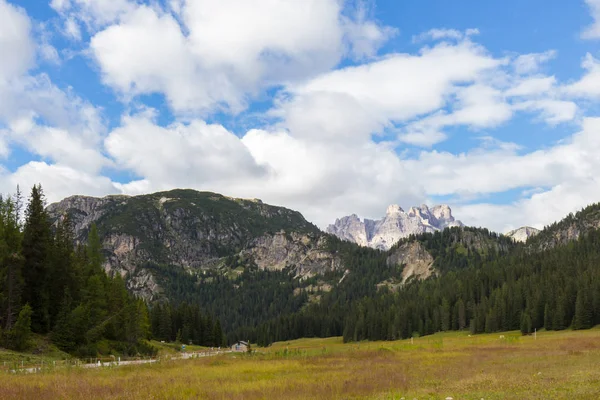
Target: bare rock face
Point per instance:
(415, 259)
(397, 224)
(305, 253)
(522, 234)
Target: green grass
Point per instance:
(556, 365)
(41, 350)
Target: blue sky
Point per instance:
(326, 106)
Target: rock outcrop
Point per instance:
(397, 224)
(523, 233)
(415, 260)
(307, 253)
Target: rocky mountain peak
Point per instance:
(393, 209)
(523, 233)
(397, 224)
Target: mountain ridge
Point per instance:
(193, 230)
(395, 225)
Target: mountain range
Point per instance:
(250, 264)
(397, 224)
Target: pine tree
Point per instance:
(548, 318)
(63, 334)
(584, 317)
(20, 335)
(462, 319)
(36, 246)
(11, 264)
(218, 334)
(526, 324)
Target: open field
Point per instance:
(555, 366)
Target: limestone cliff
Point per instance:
(523, 233)
(397, 224)
(415, 260)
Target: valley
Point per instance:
(499, 366)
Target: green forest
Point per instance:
(517, 288)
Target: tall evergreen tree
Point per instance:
(20, 335)
(36, 251)
(11, 264)
(584, 316)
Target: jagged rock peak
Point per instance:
(523, 233)
(393, 209)
(397, 224)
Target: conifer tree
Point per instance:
(525, 324)
(20, 335)
(584, 318)
(11, 264)
(63, 333)
(35, 250)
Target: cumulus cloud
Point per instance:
(593, 31)
(197, 153)
(216, 54)
(334, 139)
(529, 63)
(589, 84)
(58, 181)
(16, 44)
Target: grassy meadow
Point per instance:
(556, 365)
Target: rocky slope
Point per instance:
(522, 234)
(195, 230)
(397, 224)
(425, 255)
(568, 229)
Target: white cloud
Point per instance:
(72, 29)
(494, 171)
(438, 34)
(93, 13)
(34, 113)
(589, 84)
(551, 111)
(593, 31)
(198, 153)
(57, 181)
(16, 45)
(364, 35)
(215, 54)
(422, 138)
(529, 63)
(329, 151)
(531, 86)
(403, 86)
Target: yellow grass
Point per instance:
(558, 365)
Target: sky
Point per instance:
(328, 107)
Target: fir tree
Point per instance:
(20, 335)
(584, 317)
(36, 246)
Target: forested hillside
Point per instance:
(49, 286)
(485, 292)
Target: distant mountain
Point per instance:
(397, 224)
(523, 233)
